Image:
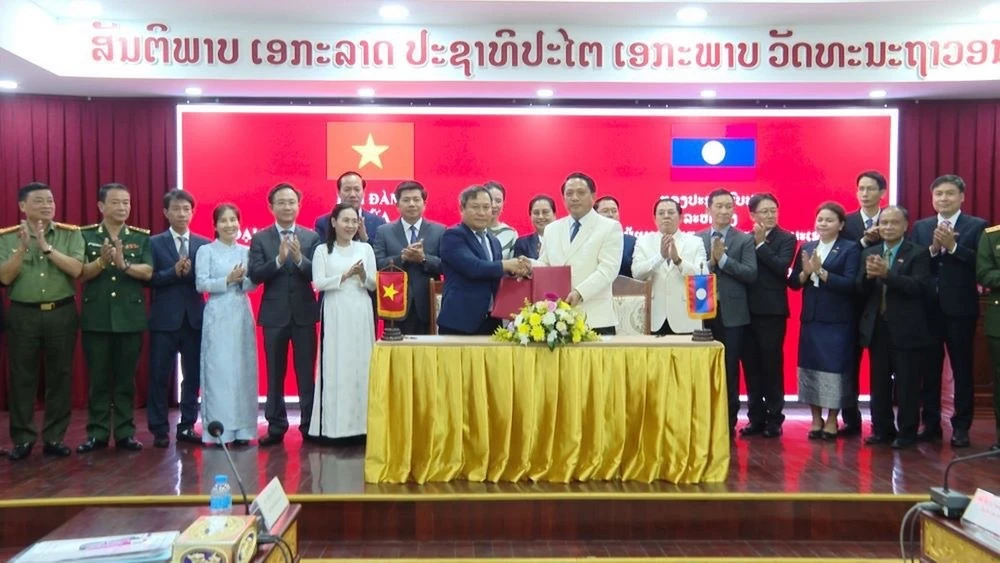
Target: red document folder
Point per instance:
(544, 280)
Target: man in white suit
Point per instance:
(666, 257)
(591, 245)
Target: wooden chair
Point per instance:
(435, 297)
(632, 299)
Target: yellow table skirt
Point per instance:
(642, 408)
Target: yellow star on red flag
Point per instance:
(390, 291)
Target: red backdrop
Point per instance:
(75, 144)
(804, 157)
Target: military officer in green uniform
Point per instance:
(113, 319)
(40, 260)
(988, 275)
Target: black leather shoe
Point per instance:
(903, 443)
(960, 439)
(20, 451)
(130, 444)
(161, 441)
(929, 435)
(752, 430)
(188, 435)
(270, 440)
(241, 443)
(57, 449)
(995, 447)
(849, 431)
(771, 432)
(90, 445)
(879, 440)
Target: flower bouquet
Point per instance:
(551, 321)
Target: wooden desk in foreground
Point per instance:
(96, 522)
(637, 408)
(950, 541)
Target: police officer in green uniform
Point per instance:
(988, 275)
(113, 319)
(40, 261)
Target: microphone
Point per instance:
(215, 430)
(953, 503)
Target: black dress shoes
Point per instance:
(929, 435)
(241, 443)
(20, 451)
(960, 439)
(161, 441)
(903, 443)
(752, 430)
(771, 432)
(849, 431)
(57, 449)
(270, 440)
(995, 447)
(90, 445)
(188, 435)
(879, 440)
(130, 444)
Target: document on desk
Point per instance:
(134, 548)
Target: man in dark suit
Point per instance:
(894, 328)
(608, 206)
(764, 349)
(952, 239)
(174, 321)
(351, 190)
(413, 244)
(862, 227)
(472, 267)
(732, 259)
(281, 261)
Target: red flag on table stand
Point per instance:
(392, 297)
(702, 303)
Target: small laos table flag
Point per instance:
(701, 296)
(392, 293)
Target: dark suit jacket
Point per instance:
(372, 223)
(768, 295)
(470, 279)
(834, 300)
(628, 249)
(528, 246)
(854, 227)
(905, 296)
(288, 294)
(953, 275)
(389, 242)
(173, 297)
(732, 280)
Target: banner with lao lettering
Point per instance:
(236, 153)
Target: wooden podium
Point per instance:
(946, 541)
(94, 522)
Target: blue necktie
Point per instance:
(413, 234)
(486, 245)
(574, 230)
(868, 224)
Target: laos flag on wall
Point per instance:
(713, 152)
(701, 296)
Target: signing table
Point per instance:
(636, 408)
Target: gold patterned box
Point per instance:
(217, 539)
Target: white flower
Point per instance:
(519, 320)
(525, 339)
(553, 335)
(549, 319)
(561, 326)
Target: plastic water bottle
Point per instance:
(221, 497)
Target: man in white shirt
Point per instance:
(591, 245)
(666, 257)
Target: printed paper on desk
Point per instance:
(271, 502)
(984, 511)
(154, 546)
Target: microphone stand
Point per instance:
(953, 503)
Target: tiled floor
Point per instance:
(788, 464)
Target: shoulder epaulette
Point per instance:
(139, 230)
(66, 226)
(88, 227)
(6, 230)
(993, 229)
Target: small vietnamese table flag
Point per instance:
(392, 293)
(702, 298)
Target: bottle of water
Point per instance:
(221, 497)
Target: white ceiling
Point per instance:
(637, 13)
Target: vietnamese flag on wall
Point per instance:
(378, 150)
(391, 289)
